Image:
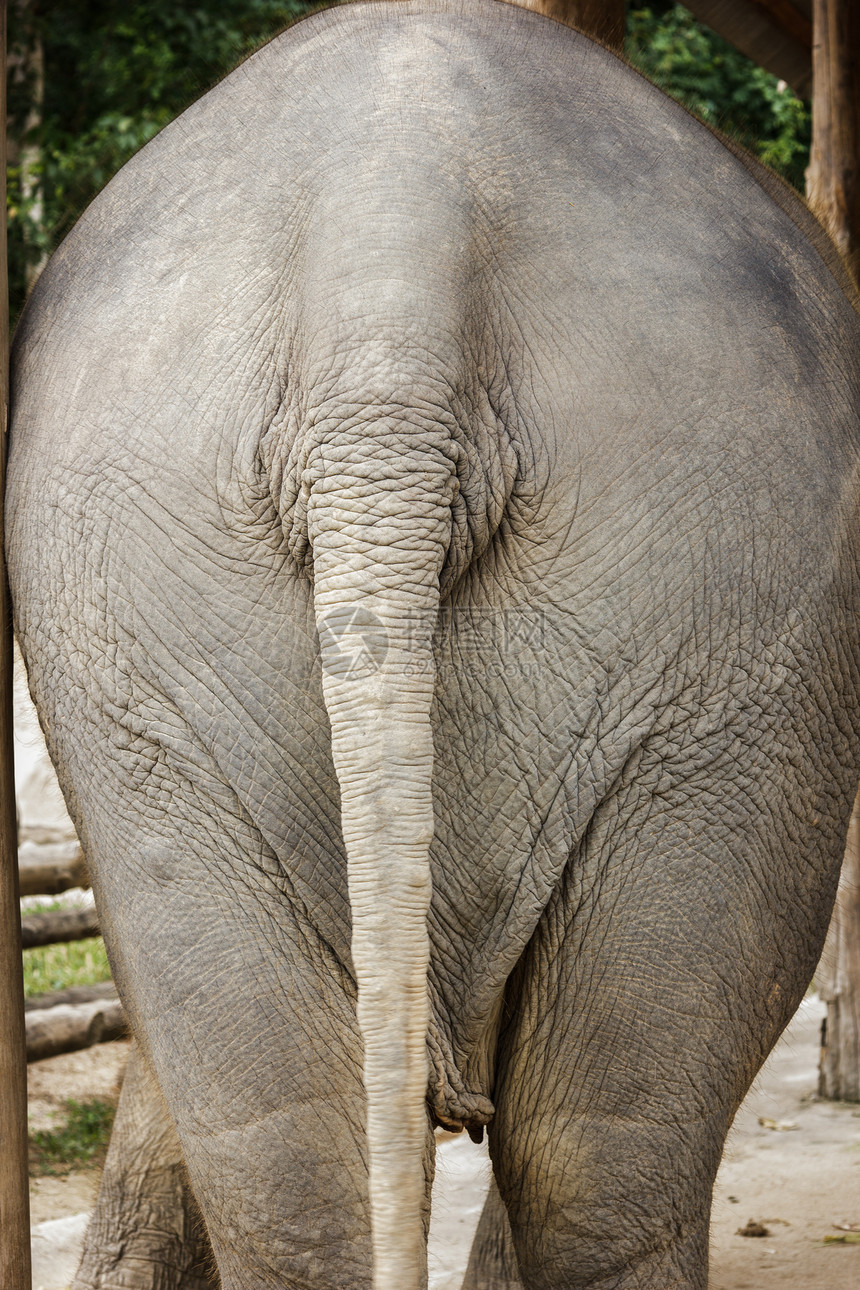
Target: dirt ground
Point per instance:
(95, 1072)
(800, 1183)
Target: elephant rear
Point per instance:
(418, 497)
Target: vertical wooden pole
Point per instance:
(838, 981)
(833, 190)
(605, 20)
(833, 177)
(14, 1186)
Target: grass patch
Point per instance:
(80, 1143)
(55, 967)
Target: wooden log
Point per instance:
(838, 981)
(74, 994)
(48, 870)
(833, 177)
(69, 1027)
(59, 925)
(15, 1273)
(605, 20)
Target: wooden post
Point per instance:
(605, 20)
(833, 177)
(838, 981)
(14, 1181)
(833, 190)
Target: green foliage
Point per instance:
(717, 83)
(81, 1141)
(126, 70)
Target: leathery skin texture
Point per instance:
(433, 477)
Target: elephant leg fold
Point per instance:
(493, 1259)
(662, 971)
(146, 1232)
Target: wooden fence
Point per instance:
(65, 1020)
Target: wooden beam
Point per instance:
(604, 20)
(48, 869)
(833, 189)
(833, 177)
(67, 1028)
(15, 1271)
(776, 34)
(791, 20)
(72, 994)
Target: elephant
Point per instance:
(432, 532)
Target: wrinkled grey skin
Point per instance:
(434, 301)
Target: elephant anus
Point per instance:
(432, 531)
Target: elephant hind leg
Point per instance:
(670, 957)
(493, 1259)
(147, 1232)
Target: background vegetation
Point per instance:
(91, 81)
(721, 86)
(80, 1141)
(94, 80)
(55, 967)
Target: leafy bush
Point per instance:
(722, 87)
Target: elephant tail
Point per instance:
(378, 528)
